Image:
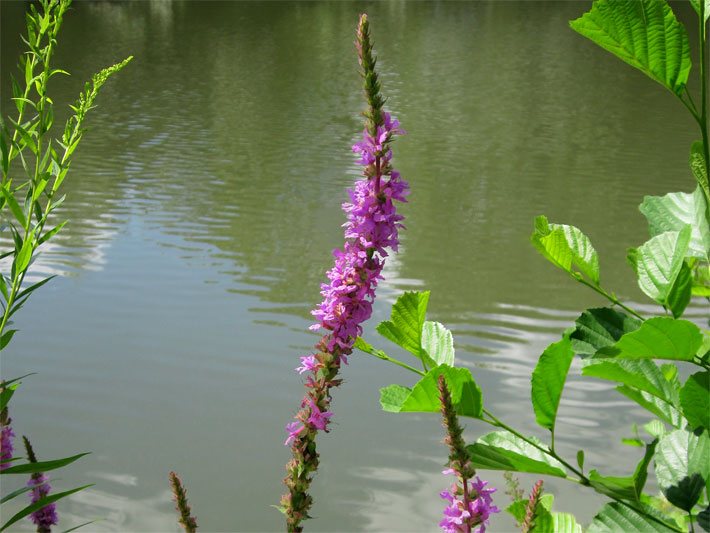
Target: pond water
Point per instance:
(205, 200)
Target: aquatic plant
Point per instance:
(616, 343)
(33, 167)
(185, 518)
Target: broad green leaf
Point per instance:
(566, 247)
(676, 210)
(42, 502)
(556, 523)
(616, 517)
(6, 394)
(655, 428)
(42, 466)
(682, 463)
(662, 409)
(600, 327)
(641, 374)
(695, 400)
(548, 381)
(625, 488)
(438, 343)
(501, 450)
(658, 262)
(424, 396)
(657, 338)
(406, 322)
(679, 295)
(643, 33)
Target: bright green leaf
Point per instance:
(673, 212)
(556, 523)
(657, 338)
(662, 409)
(679, 295)
(695, 400)
(393, 397)
(643, 33)
(501, 450)
(566, 247)
(438, 343)
(615, 517)
(406, 322)
(600, 327)
(641, 374)
(548, 381)
(682, 463)
(14, 206)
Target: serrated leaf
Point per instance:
(657, 338)
(695, 400)
(658, 262)
(548, 381)
(406, 322)
(424, 396)
(438, 342)
(641, 374)
(501, 450)
(682, 462)
(566, 247)
(600, 327)
(645, 34)
(673, 212)
(662, 409)
(615, 517)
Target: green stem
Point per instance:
(385, 357)
(702, 34)
(613, 299)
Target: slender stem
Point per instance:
(690, 104)
(702, 35)
(690, 521)
(385, 357)
(613, 299)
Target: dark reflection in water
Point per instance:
(204, 204)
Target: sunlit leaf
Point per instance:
(643, 33)
(566, 247)
(615, 517)
(406, 322)
(548, 381)
(683, 466)
(695, 400)
(438, 343)
(642, 374)
(501, 450)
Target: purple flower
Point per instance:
(458, 515)
(309, 363)
(6, 448)
(318, 419)
(47, 515)
(293, 428)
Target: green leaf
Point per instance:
(556, 523)
(17, 211)
(566, 246)
(658, 262)
(641, 374)
(6, 394)
(15, 494)
(674, 211)
(645, 34)
(424, 397)
(600, 327)
(657, 338)
(696, 6)
(682, 463)
(697, 166)
(679, 295)
(519, 507)
(695, 400)
(42, 466)
(616, 517)
(6, 338)
(406, 322)
(42, 502)
(34, 286)
(22, 260)
(625, 488)
(655, 428)
(501, 450)
(662, 409)
(438, 343)
(548, 380)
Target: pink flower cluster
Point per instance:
(372, 227)
(45, 517)
(460, 517)
(6, 436)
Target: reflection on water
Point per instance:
(204, 204)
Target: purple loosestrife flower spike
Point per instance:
(6, 439)
(186, 520)
(470, 503)
(531, 508)
(45, 517)
(371, 230)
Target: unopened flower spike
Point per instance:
(186, 520)
(371, 230)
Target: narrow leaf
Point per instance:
(42, 502)
(42, 466)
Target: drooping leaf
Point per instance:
(645, 34)
(438, 343)
(548, 380)
(615, 517)
(406, 322)
(501, 450)
(42, 466)
(642, 374)
(676, 210)
(658, 263)
(662, 409)
(566, 247)
(695, 400)
(424, 396)
(657, 338)
(42, 502)
(600, 327)
(682, 462)
(625, 488)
